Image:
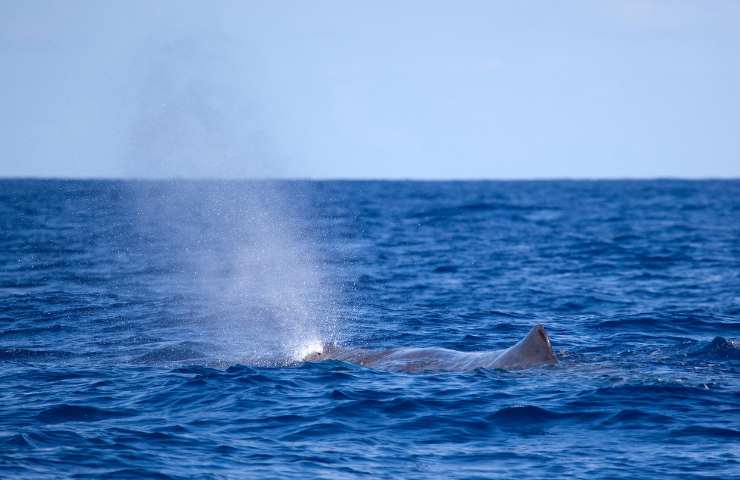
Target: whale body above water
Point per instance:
(533, 350)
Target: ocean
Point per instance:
(155, 329)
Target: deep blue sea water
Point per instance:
(150, 329)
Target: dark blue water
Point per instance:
(148, 329)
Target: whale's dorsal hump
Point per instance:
(534, 349)
(538, 342)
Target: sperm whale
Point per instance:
(533, 350)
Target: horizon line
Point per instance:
(368, 179)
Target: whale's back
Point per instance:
(532, 351)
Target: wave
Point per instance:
(15, 441)
(718, 349)
(176, 353)
(669, 322)
(23, 332)
(701, 431)
(79, 413)
(646, 392)
(25, 355)
(475, 208)
(127, 474)
(637, 418)
(531, 414)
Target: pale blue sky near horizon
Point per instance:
(332, 89)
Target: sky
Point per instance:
(375, 89)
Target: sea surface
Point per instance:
(154, 329)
